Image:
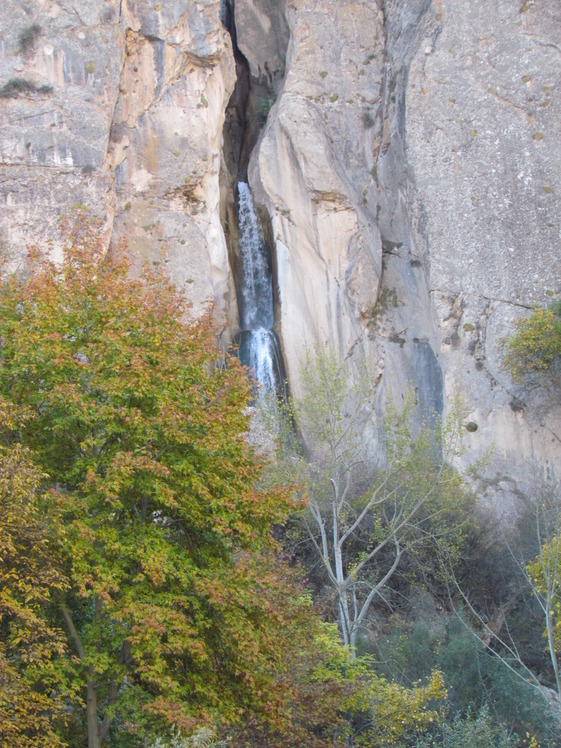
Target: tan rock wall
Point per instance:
(411, 168)
(132, 128)
(312, 171)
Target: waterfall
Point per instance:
(256, 308)
(258, 345)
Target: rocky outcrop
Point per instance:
(483, 109)
(405, 154)
(312, 170)
(123, 112)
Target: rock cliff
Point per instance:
(120, 106)
(405, 156)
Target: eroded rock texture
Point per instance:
(483, 108)
(406, 154)
(121, 109)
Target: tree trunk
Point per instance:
(91, 697)
(91, 713)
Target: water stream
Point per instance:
(258, 344)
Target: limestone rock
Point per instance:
(411, 169)
(312, 171)
(121, 109)
(264, 37)
(483, 112)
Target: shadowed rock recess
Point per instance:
(403, 156)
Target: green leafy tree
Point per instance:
(141, 428)
(544, 578)
(535, 345)
(545, 573)
(338, 700)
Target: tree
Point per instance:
(545, 574)
(536, 343)
(139, 424)
(338, 700)
(363, 524)
(534, 586)
(31, 699)
(544, 578)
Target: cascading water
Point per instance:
(259, 347)
(256, 308)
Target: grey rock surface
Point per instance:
(482, 135)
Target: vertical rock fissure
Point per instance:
(250, 254)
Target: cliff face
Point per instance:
(409, 167)
(132, 128)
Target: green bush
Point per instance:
(474, 676)
(471, 731)
(536, 343)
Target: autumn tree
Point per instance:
(545, 577)
(139, 424)
(32, 703)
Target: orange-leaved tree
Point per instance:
(32, 705)
(154, 500)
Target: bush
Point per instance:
(470, 732)
(535, 345)
(203, 738)
(28, 37)
(16, 87)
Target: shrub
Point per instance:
(535, 345)
(28, 38)
(16, 87)
(470, 732)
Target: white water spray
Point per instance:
(260, 348)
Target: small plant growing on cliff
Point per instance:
(367, 120)
(267, 104)
(28, 38)
(17, 87)
(536, 343)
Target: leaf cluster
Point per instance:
(535, 344)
